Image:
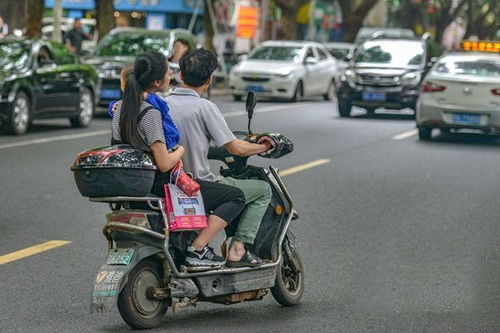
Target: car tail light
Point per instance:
(432, 87)
(495, 91)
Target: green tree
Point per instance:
(482, 18)
(34, 16)
(436, 13)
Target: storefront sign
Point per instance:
(155, 21)
(248, 20)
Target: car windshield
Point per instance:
(339, 53)
(474, 67)
(14, 55)
(366, 33)
(395, 54)
(277, 53)
(132, 44)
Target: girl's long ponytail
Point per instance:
(148, 67)
(132, 99)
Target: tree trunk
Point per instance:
(408, 15)
(208, 28)
(289, 10)
(353, 20)
(104, 17)
(289, 23)
(352, 24)
(34, 18)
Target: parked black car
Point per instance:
(384, 73)
(121, 46)
(42, 79)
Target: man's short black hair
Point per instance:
(197, 67)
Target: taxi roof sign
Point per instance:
(481, 46)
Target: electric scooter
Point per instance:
(144, 273)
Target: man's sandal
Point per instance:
(247, 260)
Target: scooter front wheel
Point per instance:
(289, 285)
(136, 307)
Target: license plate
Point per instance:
(466, 119)
(120, 256)
(255, 88)
(110, 93)
(374, 96)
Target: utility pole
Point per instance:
(311, 30)
(57, 12)
(264, 13)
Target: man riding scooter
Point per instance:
(200, 121)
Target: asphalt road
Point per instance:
(397, 235)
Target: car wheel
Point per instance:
(445, 130)
(19, 118)
(237, 98)
(344, 108)
(299, 92)
(85, 110)
(370, 111)
(331, 93)
(425, 133)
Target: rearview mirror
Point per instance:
(250, 105)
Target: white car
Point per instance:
(285, 69)
(462, 91)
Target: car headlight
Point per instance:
(235, 72)
(410, 79)
(348, 75)
(285, 75)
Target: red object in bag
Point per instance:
(187, 184)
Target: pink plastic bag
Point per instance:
(184, 212)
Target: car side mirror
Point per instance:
(242, 57)
(432, 61)
(44, 62)
(311, 61)
(250, 105)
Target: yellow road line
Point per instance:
(303, 167)
(32, 250)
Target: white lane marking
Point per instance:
(107, 132)
(405, 135)
(302, 167)
(267, 109)
(54, 138)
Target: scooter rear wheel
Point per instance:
(289, 285)
(137, 309)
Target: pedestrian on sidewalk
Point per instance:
(75, 37)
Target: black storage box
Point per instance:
(118, 170)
